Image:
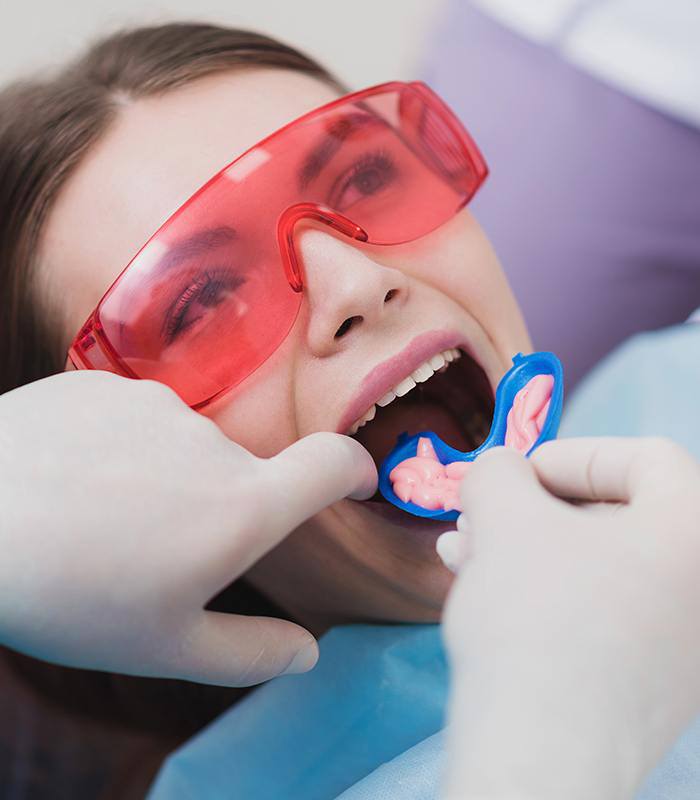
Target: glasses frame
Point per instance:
(91, 347)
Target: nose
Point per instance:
(346, 290)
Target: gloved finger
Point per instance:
(453, 547)
(283, 491)
(604, 468)
(230, 650)
(498, 484)
(316, 471)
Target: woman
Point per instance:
(91, 164)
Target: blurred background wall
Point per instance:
(363, 41)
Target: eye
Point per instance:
(367, 177)
(208, 291)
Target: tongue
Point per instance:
(379, 436)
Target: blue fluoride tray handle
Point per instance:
(523, 370)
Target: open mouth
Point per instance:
(449, 394)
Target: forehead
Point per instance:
(156, 153)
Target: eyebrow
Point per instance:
(195, 245)
(342, 128)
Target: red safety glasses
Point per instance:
(215, 291)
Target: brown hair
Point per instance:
(46, 128)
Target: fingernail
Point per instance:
(452, 547)
(304, 660)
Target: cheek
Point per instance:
(258, 413)
(253, 421)
(458, 260)
(469, 269)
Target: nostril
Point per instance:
(350, 321)
(345, 327)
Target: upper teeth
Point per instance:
(419, 375)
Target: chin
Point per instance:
(407, 546)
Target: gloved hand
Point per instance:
(573, 631)
(123, 512)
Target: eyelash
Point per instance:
(209, 281)
(379, 160)
(213, 281)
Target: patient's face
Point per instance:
(353, 560)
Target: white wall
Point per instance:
(362, 41)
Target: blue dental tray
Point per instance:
(523, 370)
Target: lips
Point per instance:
(456, 403)
(386, 375)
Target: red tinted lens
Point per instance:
(207, 300)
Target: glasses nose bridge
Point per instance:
(318, 213)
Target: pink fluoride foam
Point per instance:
(424, 480)
(529, 413)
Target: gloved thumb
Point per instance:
(318, 470)
(231, 650)
(497, 487)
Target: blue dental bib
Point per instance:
(376, 692)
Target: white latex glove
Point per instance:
(573, 631)
(123, 512)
